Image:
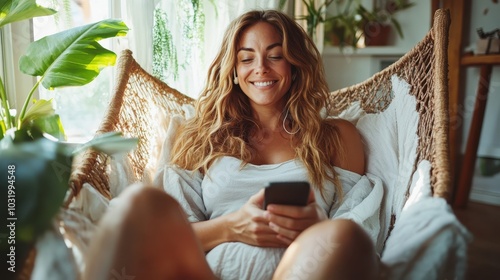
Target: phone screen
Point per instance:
(286, 193)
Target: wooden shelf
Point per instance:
(366, 51)
(480, 59)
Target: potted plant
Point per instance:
(315, 16)
(378, 23)
(36, 162)
(74, 58)
(343, 29)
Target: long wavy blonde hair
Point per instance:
(223, 123)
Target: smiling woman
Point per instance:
(264, 75)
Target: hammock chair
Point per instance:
(420, 238)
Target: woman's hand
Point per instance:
(290, 221)
(249, 224)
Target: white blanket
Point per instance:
(427, 242)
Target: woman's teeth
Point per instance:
(263, 84)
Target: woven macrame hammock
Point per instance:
(424, 68)
(138, 97)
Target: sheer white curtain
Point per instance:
(138, 15)
(193, 59)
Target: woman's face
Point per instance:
(264, 75)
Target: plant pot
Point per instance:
(339, 37)
(377, 34)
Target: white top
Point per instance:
(227, 187)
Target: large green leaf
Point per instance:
(36, 175)
(51, 125)
(110, 143)
(72, 57)
(39, 173)
(3, 128)
(40, 108)
(41, 118)
(16, 10)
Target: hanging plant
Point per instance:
(172, 54)
(165, 62)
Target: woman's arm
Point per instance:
(212, 232)
(352, 145)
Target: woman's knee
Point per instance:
(145, 200)
(342, 237)
(339, 248)
(342, 231)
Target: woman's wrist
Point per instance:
(213, 232)
(228, 223)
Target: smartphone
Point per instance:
(287, 193)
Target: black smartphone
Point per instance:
(287, 193)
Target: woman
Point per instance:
(257, 120)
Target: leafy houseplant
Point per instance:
(342, 23)
(378, 23)
(315, 16)
(69, 58)
(343, 29)
(37, 164)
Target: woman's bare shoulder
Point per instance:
(353, 158)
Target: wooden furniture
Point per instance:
(458, 61)
(468, 164)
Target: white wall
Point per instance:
(350, 67)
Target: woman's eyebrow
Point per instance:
(252, 50)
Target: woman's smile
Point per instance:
(261, 84)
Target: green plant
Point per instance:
(189, 19)
(383, 13)
(344, 26)
(35, 183)
(341, 23)
(69, 58)
(315, 14)
(37, 166)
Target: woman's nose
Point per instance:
(261, 67)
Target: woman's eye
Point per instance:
(275, 57)
(246, 59)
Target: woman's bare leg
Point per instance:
(333, 249)
(146, 235)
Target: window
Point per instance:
(80, 108)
